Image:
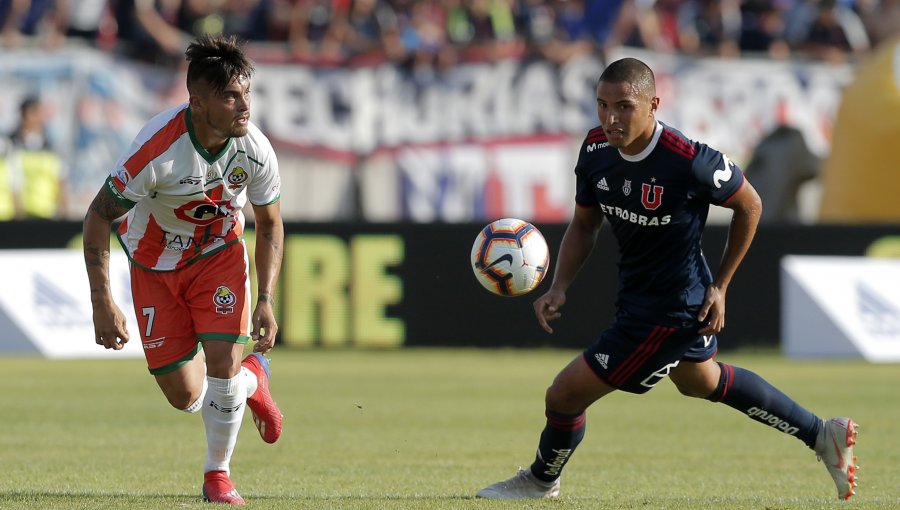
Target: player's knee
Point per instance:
(561, 399)
(695, 389)
(183, 400)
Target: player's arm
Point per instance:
(268, 255)
(577, 243)
(747, 208)
(109, 322)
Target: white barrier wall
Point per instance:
(45, 305)
(841, 307)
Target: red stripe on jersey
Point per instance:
(596, 135)
(216, 193)
(677, 140)
(123, 227)
(157, 144)
(640, 356)
(672, 141)
(151, 245)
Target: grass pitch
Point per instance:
(425, 429)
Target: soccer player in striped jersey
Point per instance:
(654, 186)
(183, 184)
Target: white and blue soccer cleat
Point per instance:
(522, 486)
(834, 447)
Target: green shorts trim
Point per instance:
(224, 337)
(171, 367)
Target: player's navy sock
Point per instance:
(559, 439)
(753, 396)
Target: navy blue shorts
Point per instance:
(634, 355)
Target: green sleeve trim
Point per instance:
(277, 198)
(224, 337)
(117, 195)
(171, 367)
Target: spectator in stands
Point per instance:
(422, 31)
(247, 19)
(314, 30)
(710, 27)
(762, 29)
(556, 30)
(825, 30)
(37, 172)
(835, 33)
(483, 29)
(882, 19)
(369, 31)
(21, 19)
(8, 199)
(89, 21)
(148, 30)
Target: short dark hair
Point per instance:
(29, 103)
(631, 70)
(216, 60)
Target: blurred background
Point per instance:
(402, 127)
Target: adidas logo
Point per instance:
(603, 359)
(602, 184)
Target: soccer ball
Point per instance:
(510, 257)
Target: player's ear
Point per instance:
(196, 102)
(654, 104)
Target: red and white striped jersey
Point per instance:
(186, 203)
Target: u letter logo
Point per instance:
(651, 199)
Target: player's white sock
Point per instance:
(223, 410)
(193, 408)
(252, 382)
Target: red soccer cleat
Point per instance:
(217, 488)
(266, 414)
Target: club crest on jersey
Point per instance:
(237, 177)
(224, 300)
(626, 188)
(651, 196)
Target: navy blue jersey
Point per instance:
(657, 203)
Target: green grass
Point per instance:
(425, 429)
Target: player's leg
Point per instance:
(573, 390)
(218, 297)
(223, 407)
(168, 338)
(185, 387)
(752, 395)
(748, 393)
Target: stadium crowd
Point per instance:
(439, 33)
(423, 36)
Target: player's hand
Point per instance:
(546, 308)
(110, 329)
(264, 327)
(712, 313)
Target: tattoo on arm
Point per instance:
(106, 207)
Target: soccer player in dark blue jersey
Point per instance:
(654, 186)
